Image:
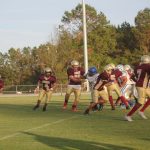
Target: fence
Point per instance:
(30, 89)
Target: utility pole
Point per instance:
(85, 41)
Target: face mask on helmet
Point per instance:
(48, 71)
(127, 67)
(75, 63)
(108, 68)
(120, 67)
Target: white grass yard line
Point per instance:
(35, 128)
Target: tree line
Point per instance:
(106, 43)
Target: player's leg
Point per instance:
(77, 94)
(122, 98)
(67, 96)
(40, 97)
(146, 104)
(141, 99)
(110, 90)
(47, 99)
(103, 98)
(94, 103)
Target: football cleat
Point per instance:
(127, 107)
(142, 115)
(44, 107)
(75, 109)
(64, 107)
(35, 107)
(113, 108)
(86, 112)
(128, 118)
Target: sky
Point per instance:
(30, 23)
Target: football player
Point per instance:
(46, 85)
(100, 89)
(116, 79)
(142, 73)
(92, 76)
(1, 84)
(75, 75)
(129, 88)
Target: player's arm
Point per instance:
(53, 87)
(123, 81)
(75, 79)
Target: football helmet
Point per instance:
(47, 70)
(74, 63)
(108, 68)
(145, 59)
(120, 67)
(92, 70)
(112, 65)
(127, 67)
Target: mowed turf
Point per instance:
(21, 128)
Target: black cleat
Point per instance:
(86, 112)
(44, 107)
(127, 107)
(113, 108)
(35, 107)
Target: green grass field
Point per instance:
(21, 128)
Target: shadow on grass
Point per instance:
(67, 144)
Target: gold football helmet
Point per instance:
(74, 63)
(145, 59)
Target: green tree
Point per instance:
(126, 37)
(142, 22)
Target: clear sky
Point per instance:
(32, 22)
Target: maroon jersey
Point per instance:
(115, 75)
(102, 79)
(142, 73)
(1, 83)
(76, 73)
(47, 82)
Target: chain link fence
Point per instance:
(30, 89)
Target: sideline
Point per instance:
(35, 128)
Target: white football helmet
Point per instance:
(74, 63)
(145, 59)
(47, 70)
(127, 67)
(120, 67)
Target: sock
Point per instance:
(74, 106)
(123, 100)
(136, 107)
(111, 101)
(65, 102)
(145, 105)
